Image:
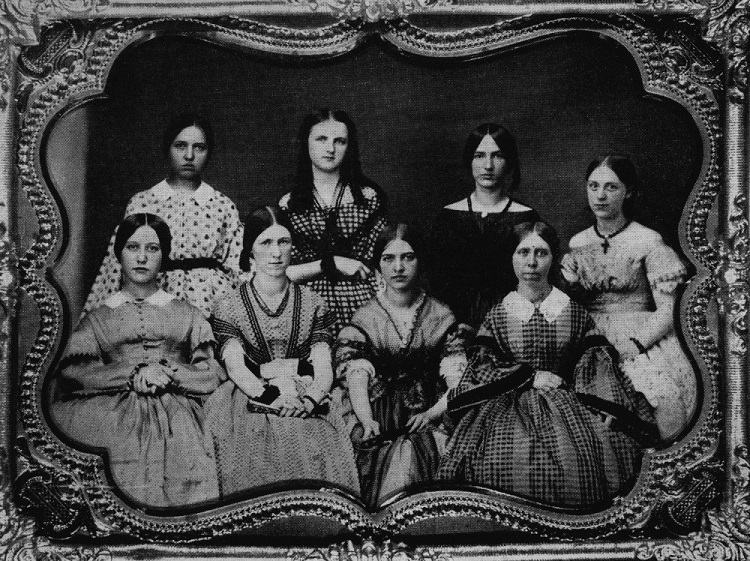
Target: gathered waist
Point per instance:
(613, 302)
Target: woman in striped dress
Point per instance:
(542, 411)
(336, 214)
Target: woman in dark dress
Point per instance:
(335, 213)
(542, 411)
(401, 352)
(469, 245)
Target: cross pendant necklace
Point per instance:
(607, 237)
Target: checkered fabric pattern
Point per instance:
(348, 230)
(541, 444)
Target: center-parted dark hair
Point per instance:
(549, 235)
(257, 222)
(504, 140)
(301, 197)
(399, 231)
(179, 123)
(624, 169)
(130, 225)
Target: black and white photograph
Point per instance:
(427, 280)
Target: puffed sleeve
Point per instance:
(83, 370)
(664, 269)
(453, 358)
(323, 323)
(352, 357)
(202, 374)
(224, 324)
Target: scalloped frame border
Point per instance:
(668, 68)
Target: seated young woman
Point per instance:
(542, 411)
(400, 353)
(272, 421)
(134, 375)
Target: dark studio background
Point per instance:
(566, 100)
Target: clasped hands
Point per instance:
(154, 378)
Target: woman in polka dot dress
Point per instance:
(336, 215)
(207, 233)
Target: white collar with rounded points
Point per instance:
(159, 298)
(163, 191)
(551, 307)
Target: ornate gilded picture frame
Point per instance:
(687, 64)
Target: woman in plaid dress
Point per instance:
(336, 215)
(542, 411)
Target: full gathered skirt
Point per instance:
(256, 449)
(158, 452)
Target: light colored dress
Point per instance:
(256, 449)
(158, 452)
(553, 445)
(407, 368)
(347, 229)
(616, 287)
(204, 225)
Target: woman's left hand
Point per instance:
(418, 422)
(545, 380)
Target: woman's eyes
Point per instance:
(609, 187)
(151, 248)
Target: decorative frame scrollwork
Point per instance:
(53, 500)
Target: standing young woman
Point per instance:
(542, 410)
(627, 278)
(275, 340)
(205, 225)
(401, 352)
(335, 213)
(469, 246)
(134, 376)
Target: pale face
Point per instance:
(399, 266)
(141, 257)
(488, 166)
(327, 145)
(606, 193)
(188, 153)
(532, 261)
(272, 251)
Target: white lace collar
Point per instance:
(158, 298)
(163, 191)
(551, 307)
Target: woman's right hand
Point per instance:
(351, 267)
(151, 379)
(545, 380)
(371, 428)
